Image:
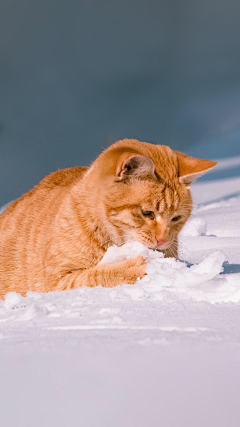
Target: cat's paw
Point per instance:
(132, 269)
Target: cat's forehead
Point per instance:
(160, 197)
(165, 199)
(169, 199)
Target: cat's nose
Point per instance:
(161, 241)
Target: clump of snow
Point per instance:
(194, 227)
(13, 300)
(129, 250)
(168, 278)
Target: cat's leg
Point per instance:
(108, 275)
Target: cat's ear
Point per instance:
(190, 168)
(137, 166)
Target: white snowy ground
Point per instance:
(164, 352)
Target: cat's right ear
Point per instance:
(137, 166)
(190, 168)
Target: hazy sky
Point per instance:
(78, 75)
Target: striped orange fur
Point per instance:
(53, 237)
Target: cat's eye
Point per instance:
(176, 218)
(148, 214)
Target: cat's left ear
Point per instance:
(190, 168)
(136, 165)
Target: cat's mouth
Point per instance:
(156, 247)
(153, 246)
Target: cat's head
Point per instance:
(146, 194)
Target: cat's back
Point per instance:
(63, 177)
(47, 187)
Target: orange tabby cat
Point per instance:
(53, 237)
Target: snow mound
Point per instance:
(170, 279)
(195, 227)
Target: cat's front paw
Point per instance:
(130, 270)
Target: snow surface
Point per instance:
(163, 352)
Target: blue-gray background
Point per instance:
(75, 76)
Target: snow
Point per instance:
(195, 227)
(164, 351)
(169, 279)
